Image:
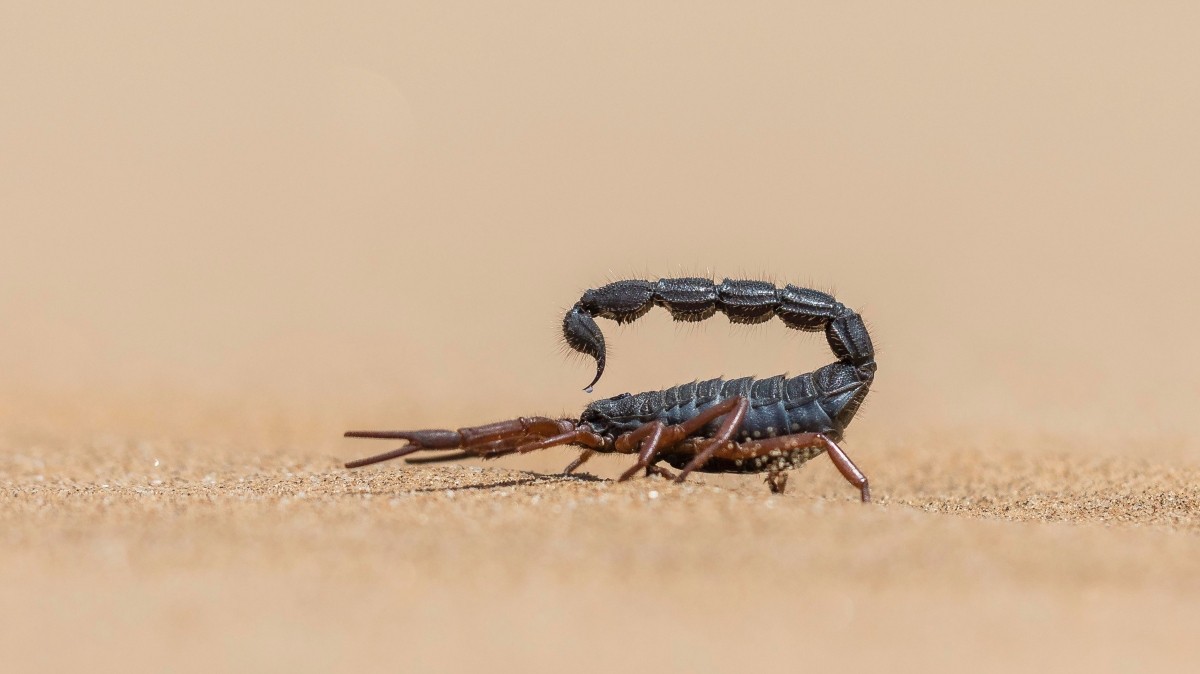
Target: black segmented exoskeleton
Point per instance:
(715, 426)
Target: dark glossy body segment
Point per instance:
(696, 299)
(823, 402)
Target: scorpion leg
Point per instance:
(579, 461)
(655, 469)
(653, 434)
(847, 468)
(670, 435)
(777, 481)
(580, 436)
(659, 436)
(740, 405)
(791, 443)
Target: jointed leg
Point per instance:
(659, 436)
(579, 461)
(756, 449)
(732, 422)
(847, 468)
(777, 481)
(650, 446)
(581, 436)
(655, 469)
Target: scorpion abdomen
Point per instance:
(822, 401)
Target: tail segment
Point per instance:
(697, 299)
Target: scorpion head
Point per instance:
(842, 389)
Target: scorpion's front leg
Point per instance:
(736, 408)
(656, 436)
(651, 438)
(579, 461)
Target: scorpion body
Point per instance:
(778, 407)
(738, 425)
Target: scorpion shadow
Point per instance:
(529, 478)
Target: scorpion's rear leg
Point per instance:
(796, 441)
(814, 440)
(777, 480)
(847, 468)
(655, 469)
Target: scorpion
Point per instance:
(713, 426)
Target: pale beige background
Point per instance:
(231, 230)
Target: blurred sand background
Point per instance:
(231, 231)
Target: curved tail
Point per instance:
(696, 299)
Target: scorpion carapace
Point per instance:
(716, 426)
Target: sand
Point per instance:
(194, 556)
(231, 231)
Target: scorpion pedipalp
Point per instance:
(431, 439)
(418, 440)
(485, 442)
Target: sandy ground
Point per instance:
(978, 555)
(230, 231)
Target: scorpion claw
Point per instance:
(417, 440)
(386, 456)
(433, 439)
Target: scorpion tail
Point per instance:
(742, 301)
(582, 334)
